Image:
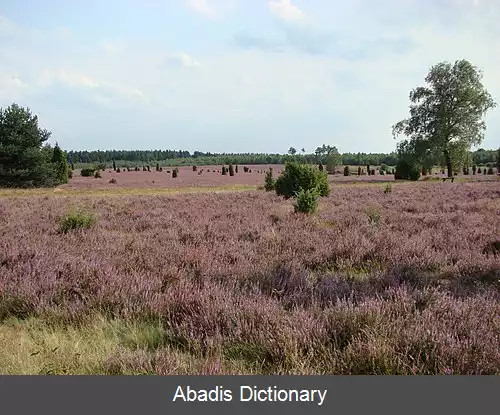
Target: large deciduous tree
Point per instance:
(447, 115)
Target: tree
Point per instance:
(498, 160)
(60, 163)
(114, 165)
(24, 159)
(292, 151)
(449, 111)
(269, 180)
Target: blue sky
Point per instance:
(236, 75)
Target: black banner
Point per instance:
(249, 394)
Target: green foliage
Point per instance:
(24, 160)
(297, 176)
(306, 200)
(231, 170)
(347, 171)
(388, 188)
(97, 174)
(446, 116)
(474, 169)
(359, 171)
(77, 220)
(60, 164)
(175, 173)
(269, 182)
(87, 172)
(320, 166)
(383, 168)
(405, 170)
(224, 170)
(368, 170)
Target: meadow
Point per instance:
(386, 278)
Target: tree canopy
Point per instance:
(25, 158)
(446, 116)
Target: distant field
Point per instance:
(211, 177)
(399, 282)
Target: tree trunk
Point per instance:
(448, 163)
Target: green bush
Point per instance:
(231, 170)
(97, 174)
(269, 182)
(87, 172)
(306, 201)
(297, 176)
(406, 171)
(74, 221)
(346, 171)
(388, 188)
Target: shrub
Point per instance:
(112, 181)
(346, 171)
(175, 173)
(224, 170)
(490, 170)
(474, 169)
(87, 172)
(406, 171)
(306, 200)
(382, 172)
(359, 170)
(373, 172)
(269, 182)
(70, 174)
(479, 170)
(383, 168)
(74, 221)
(297, 176)
(231, 170)
(97, 175)
(149, 168)
(373, 215)
(144, 168)
(195, 168)
(484, 171)
(72, 166)
(157, 166)
(245, 169)
(368, 169)
(388, 188)
(118, 170)
(320, 167)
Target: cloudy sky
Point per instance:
(236, 75)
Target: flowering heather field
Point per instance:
(212, 177)
(405, 282)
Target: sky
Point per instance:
(236, 75)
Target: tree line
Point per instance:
(446, 119)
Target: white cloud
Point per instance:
(285, 10)
(211, 8)
(182, 59)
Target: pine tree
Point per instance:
(60, 164)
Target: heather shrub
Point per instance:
(406, 171)
(87, 172)
(97, 175)
(301, 176)
(306, 200)
(346, 171)
(75, 221)
(269, 181)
